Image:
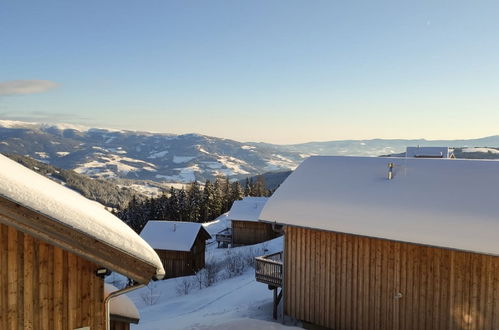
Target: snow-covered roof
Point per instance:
(247, 209)
(428, 152)
(172, 235)
(438, 202)
(121, 305)
(70, 209)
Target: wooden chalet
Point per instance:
(246, 229)
(53, 244)
(122, 310)
(362, 251)
(181, 246)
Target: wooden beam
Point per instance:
(77, 242)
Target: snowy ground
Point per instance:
(234, 303)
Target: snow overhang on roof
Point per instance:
(172, 235)
(247, 209)
(121, 306)
(47, 210)
(438, 202)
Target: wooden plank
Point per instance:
(355, 282)
(436, 283)
(3, 274)
(423, 285)
(332, 280)
(377, 283)
(396, 285)
(321, 255)
(303, 270)
(51, 276)
(306, 275)
(489, 301)
(28, 282)
(86, 275)
(43, 285)
(12, 276)
(58, 288)
(327, 278)
(495, 280)
(20, 280)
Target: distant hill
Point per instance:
(169, 158)
(102, 191)
(272, 179)
(101, 153)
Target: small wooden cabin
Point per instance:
(246, 229)
(122, 310)
(419, 251)
(52, 242)
(180, 245)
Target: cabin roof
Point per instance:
(430, 152)
(40, 206)
(173, 235)
(439, 202)
(247, 209)
(121, 305)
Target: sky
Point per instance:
(279, 71)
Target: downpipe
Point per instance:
(114, 294)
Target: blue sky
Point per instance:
(276, 71)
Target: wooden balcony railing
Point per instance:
(268, 269)
(224, 237)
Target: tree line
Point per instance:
(195, 203)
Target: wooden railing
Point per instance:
(224, 236)
(268, 269)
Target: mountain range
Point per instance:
(160, 157)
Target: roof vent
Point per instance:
(390, 171)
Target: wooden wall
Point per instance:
(251, 232)
(183, 263)
(343, 281)
(119, 325)
(45, 288)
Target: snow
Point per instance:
(235, 303)
(121, 305)
(159, 154)
(484, 150)
(217, 225)
(104, 165)
(170, 235)
(442, 152)
(62, 153)
(182, 159)
(42, 155)
(234, 164)
(247, 209)
(185, 175)
(439, 202)
(247, 147)
(279, 163)
(36, 192)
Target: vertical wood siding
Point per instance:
(119, 325)
(183, 263)
(344, 281)
(250, 232)
(45, 288)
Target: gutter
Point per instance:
(114, 294)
